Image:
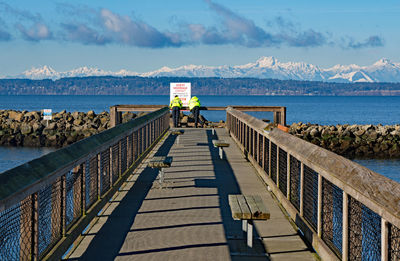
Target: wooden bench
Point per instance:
(220, 144)
(160, 162)
(248, 208)
(177, 133)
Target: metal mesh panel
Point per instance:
(332, 216)
(49, 211)
(115, 162)
(124, 156)
(72, 196)
(16, 231)
(283, 171)
(135, 145)
(255, 136)
(394, 242)
(364, 232)
(130, 150)
(295, 172)
(260, 150)
(266, 156)
(105, 171)
(310, 201)
(274, 155)
(91, 181)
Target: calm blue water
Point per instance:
(314, 109)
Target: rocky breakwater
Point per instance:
(23, 128)
(352, 141)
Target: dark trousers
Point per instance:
(175, 116)
(196, 114)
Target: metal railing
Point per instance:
(46, 203)
(344, 210)
(116, 111)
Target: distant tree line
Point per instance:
(109, 85)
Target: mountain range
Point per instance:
(383, 70)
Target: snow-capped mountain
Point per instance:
(266, 67)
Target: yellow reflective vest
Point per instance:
(194, 101)
(176, 102)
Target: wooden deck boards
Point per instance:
(191, 220)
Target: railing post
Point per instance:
(319, 211)
(384, 240)
(345, 233)
(283, 116)
(301, 188)
(114, 116)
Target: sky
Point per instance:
(146, 35)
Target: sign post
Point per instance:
(47, 115)
(182, 89)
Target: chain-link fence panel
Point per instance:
(49, 216)
(364, 232)
(310, 200)
(91, 181)
(130, 150)
(115, 163)
(283, 171)
(124, 156)
(73, 211)
(266, 156)
(260, 149)
(295, 172)
(16, 231)
(332, 216)
(105, 171)
(394, 243)
(274, 158)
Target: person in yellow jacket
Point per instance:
(175, 105)
(194, 107)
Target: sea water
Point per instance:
(324, 110)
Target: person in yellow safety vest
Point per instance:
(194, 107)
(175, 105)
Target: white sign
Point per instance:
(182, 89)
(47, 114)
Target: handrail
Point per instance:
(116, 110)
(17, 183)
(339, 205)
(45, 204)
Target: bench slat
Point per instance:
(265, 214)
(246, 214)
(252, 206)
(235, 208)
(160, 162)
(220, 143)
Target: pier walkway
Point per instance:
(190, 218)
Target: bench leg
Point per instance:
(161, 177)
(244, 225)
(221, 153)
(250, 233)
(213, 131)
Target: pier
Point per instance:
(98, 199)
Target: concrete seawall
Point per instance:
(361, 141)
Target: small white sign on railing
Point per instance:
(47, 114)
